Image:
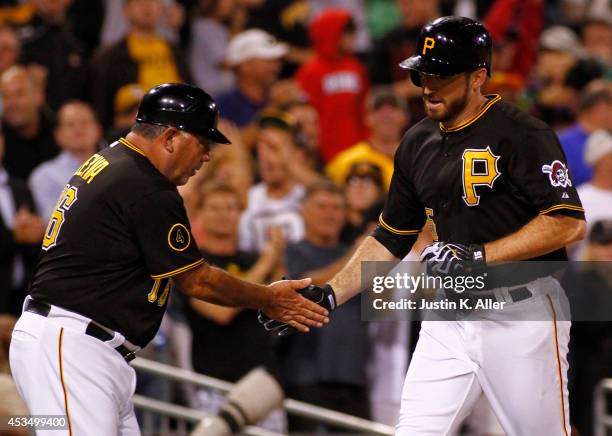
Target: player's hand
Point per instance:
(323, 296)
(446, 258)
(288, 308)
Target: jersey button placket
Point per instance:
(445, 144)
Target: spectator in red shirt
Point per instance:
(336, 82)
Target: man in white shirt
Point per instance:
(276, 201)
(78, 134)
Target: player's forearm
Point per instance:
(323, 275)
(212, 284)
(541, 235)
(347, 283)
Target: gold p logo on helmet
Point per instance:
(429, 43)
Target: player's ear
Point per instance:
(479, 77)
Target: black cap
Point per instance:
(449, 46)
(185, 107)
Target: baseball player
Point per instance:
(117, 242)
(495, 182)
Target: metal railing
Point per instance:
(171, 419)
(298, 408)
(603, 419)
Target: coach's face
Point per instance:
(444, 97)
(187, 152)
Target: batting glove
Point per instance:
(324, 296)
(446, 258)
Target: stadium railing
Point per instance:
(157, 415)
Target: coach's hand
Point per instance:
(287, 308)
(446, 258)
(323, 296)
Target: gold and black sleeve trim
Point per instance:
(394, 230)
(561, 206)
(131, 146)
(178, 270)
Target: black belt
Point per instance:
(516, 294)
(93, 329)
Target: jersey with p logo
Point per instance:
(473, 177)
(482, 179)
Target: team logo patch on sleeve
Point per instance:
(557, 174)
(179, 237)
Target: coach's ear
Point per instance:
(167, 138)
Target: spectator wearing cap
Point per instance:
(78, 134)
(125, 108)
(336, 82)
(210, 36)
(275, 202)
(48, 41)
(255, 57)
(594, 112)
(143, 56)
(27, 125)
(386, 118)
(596, 195)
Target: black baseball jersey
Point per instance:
(118, 234)
(479, 181)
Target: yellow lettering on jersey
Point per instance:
(66, 200)
(429, 213)
(471, 179)
(428, 44)
(92, 167)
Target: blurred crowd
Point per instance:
(313, 100)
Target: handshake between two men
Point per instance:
(441, 258)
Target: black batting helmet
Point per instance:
(185, 107)
(448, 46)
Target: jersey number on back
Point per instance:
(479, 169)
(65, 202)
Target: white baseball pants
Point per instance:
(520, 366)
(59, 370)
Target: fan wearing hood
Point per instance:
(335, 82)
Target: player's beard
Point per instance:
(453, 108)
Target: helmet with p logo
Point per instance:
(449, 46)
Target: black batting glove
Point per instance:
(324, 296)
(446, 258)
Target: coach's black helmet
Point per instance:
(185, 107)
(449, 46)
